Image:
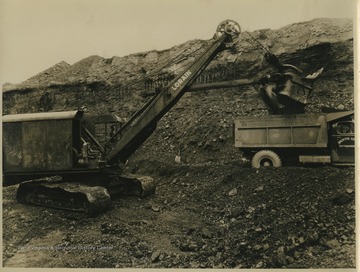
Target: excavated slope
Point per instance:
(200, 125)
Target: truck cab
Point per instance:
(342, 138)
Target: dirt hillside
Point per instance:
(200, 122)
(201, 216)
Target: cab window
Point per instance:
(345, 128)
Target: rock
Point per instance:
(155, 208)
(257, 247)
(333, 243)
(342, 199)
(289, 260)
(138, 254)
(341, 107)
(188, 246)
(296, 255)
(205, 233)
(155, 256)
(280, 251)
(194, 265)
(312, 238)
(233, 192)
(280, 258)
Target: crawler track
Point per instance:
(72, 196)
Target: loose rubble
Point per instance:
(279, 218)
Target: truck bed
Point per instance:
(276, 131)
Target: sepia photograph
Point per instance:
(173, 134)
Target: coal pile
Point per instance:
(201, 216)
(200, 124)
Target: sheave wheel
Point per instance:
(266, 158)
(232, 29)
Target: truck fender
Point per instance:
(266, 158)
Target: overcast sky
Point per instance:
(37, 34)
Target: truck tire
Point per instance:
(266, 158)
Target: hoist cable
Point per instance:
(262, 47)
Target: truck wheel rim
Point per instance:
(266, 162)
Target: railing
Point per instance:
(216, 74)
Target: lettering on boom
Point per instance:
(178, 83)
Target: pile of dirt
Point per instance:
(201, 216)
(116, 70)
(199, 126)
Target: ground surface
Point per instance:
(201, 216)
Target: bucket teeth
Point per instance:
(147, 186)
(132, 185)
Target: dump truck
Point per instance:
(275, 140)
(58, 162)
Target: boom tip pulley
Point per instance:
(231, 29)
